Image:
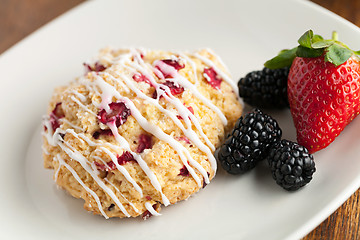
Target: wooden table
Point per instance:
(18, 18)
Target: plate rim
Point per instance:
(311, 223)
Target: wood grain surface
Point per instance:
(18, 18)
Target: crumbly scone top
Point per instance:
(111, 96)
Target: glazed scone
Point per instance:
(139, 129)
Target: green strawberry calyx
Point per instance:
(310, 46)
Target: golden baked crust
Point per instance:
(170, 103)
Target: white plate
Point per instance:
(245, 34)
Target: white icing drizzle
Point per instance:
(218, 71)
(112, 92)
(153, 129)
(123, 170)
(50, 136)
(123, 86)
(218, 58)
(58, 170)
(107, 93)
(90, 142)
(133, 62)
(182, 110)
(235, 88)
(185, 83)
(112, 156)
(64, 120)
(179, 148)
(86, 139)
(193, 89)
(193, 66)
(75, 155)
(130, 203)
(45, 150)
(82, 105)
(79, 95)
(150, 208)
(76, 176)
(207, 77)
(98, 158)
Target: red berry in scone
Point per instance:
(323, 88)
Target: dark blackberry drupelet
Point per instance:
(266, 88)
(291, 164)
(249, 142)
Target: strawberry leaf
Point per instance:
(308, 52)
(309, 40)
(322, 44)
(337, 54)
(284, 59)
(306, 39)
(317, 38)
(312, 46)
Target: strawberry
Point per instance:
(323, 88)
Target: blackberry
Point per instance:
(291, 164)
(249, 142)
(266, 88)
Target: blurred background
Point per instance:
(19, 18)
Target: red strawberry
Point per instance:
(323, 99)
(323, 88)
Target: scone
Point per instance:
(139, 129)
